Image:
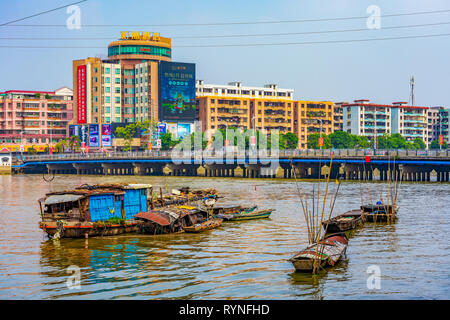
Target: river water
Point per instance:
(240, 260)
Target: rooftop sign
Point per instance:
(136, 35)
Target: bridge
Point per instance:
(382, 165)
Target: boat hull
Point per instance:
(344, 222)
(252, 216)
(81, 230)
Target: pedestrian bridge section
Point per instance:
(408, 165)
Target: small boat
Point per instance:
(228, 212)
(168, 220)
(344, 222)
(379, 212)
(330, 251)
(206, 225)
(254, 214)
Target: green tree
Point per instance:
(362, 142)
(313, 141)
(167, 141)
(342, 140)
(419, 144)
(128, 132)
(435, 145)
(291, 140)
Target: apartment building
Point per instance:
(234, 105)
(312, 117)
(373, 120)
(34, 117)
(438, 121)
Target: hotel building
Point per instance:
(372, 120)
(123, 87)
(34, 117)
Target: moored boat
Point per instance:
(254, 214)
(344, 222)
(168, 220)
(203, 226)
(379, 212)
(327, 253)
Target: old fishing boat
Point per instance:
(208, 223)
(168, 220)
(179, 197)
(203, 226)
(93, 210)
(247, 215)
(327, 253)
(379, 212)
(344, 222)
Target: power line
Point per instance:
(249, 35)
(236, 23)
(40, 13)
(249, 44)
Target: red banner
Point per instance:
(367, 158)
(441, 139)
(321, 142)
(81, 94)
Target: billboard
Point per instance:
(176, 91)
(81, 94)
(73, 130)
(94, 135)
(106, 135)
(183, 130)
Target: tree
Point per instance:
(167, 141)
(313, 141)
(342, 140)
(419, 144)
(74, 143)
(290, 140)
(435, 145)
(128, 132)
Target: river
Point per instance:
(240, 260)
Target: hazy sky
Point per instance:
(378, 70)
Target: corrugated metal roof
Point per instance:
(61, 198)
(154, 217)
(137, 186)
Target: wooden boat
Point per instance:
(331, 250)
(344, 222)
(254, 214)
(203, 226)
(104, 209)
(168, 220)
(227, 212)
(379, 212)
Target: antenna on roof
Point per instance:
(411, 83)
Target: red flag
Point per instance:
(367, 158)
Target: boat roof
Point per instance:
(61, 198)
(153, 216)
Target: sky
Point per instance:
(375, 70)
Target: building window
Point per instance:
(107, 89)
(107, 99)
(107, 80)
(117, 71)
(117, 80)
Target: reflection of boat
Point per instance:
(344, 222)
(379, 212)
(327, 253)
(168, 220)
(203, 226)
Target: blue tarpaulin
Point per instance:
(102, 207)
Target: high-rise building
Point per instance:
(373, 120)
(34, 118)
(338, 116)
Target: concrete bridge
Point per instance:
(408, 165)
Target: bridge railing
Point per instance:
(221, 153)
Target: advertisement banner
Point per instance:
(183, 130)
(81, 94)
(176, 91)
(106, 135)
(94, 135)
(73, 130)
